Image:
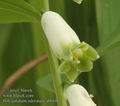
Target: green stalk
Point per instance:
(54, 70)
(45, 4)
(40, 44)
(57, 80)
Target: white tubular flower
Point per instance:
(61, 37)
(78, 96)
(75, 56)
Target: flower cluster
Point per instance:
(75, 56)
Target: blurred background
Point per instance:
(94, 21)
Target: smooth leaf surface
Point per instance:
(12, 11)
(108, 19)
(46, 83)
(39, 47)
(4, 37)
(16, 52)
(110, 43)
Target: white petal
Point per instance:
(59, 34)
(78, 96)
(78, 1)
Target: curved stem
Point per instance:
(20, 72)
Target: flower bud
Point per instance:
(61, 37)
(75, 56)
(78, 96)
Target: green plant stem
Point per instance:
(57, 81)
(45, 4)
(40, 44)
(54, 70)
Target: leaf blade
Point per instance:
(17, 11)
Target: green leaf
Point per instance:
(107, 76)
(17, 51)
(46, 83)
(4, 36)
(17, 11)
(110, 43)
